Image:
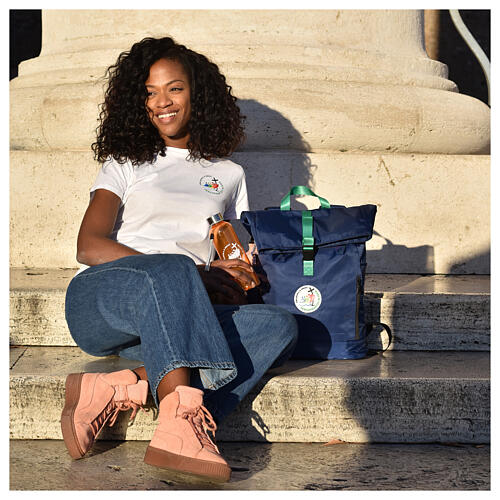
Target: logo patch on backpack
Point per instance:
(211, 184)
(307, 299)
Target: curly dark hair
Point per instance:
(126, 132)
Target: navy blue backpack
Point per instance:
(315, 263)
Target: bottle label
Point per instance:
(307, 299)
(232, 251)
(211, 184)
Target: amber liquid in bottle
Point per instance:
(228, 245)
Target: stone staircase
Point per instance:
(346, 102)
(432, 385)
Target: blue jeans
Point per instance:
(155, 309)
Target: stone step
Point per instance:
(46, 465)
(398, 397)
(425, 312)
(419, 228)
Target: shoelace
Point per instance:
(201, 421)
(124, 406)
(111, 412)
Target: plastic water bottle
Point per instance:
(227, 244)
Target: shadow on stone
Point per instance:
(268, 131)
(406, 260)
(102, 446)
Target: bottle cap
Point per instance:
(215, 218)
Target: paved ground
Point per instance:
(118, 465)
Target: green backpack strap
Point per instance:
(307, 243)
(307, 226)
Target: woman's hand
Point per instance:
(238, 269)
(223, 278)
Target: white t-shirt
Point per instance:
(165, 204)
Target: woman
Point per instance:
(166, 127)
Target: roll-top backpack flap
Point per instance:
(314, 261)
(276, 230)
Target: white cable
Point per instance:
(473, 45)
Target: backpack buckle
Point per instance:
(307, 253)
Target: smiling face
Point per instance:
(169, 102)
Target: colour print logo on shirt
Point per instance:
(211, 184)
(307, 299)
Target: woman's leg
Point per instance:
(153, 308)
(179, 376)
(259, 337)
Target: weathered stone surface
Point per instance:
(46, 465)
(424, 312)
(419, 228)
(398, 397)
(37, 318)
(45, 215)
(16, 352)
(268, 63)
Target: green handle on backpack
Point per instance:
(301, 190)
(307, 226)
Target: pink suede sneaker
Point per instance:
(181, 442)
(93, 400)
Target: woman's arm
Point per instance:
(94, 245)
